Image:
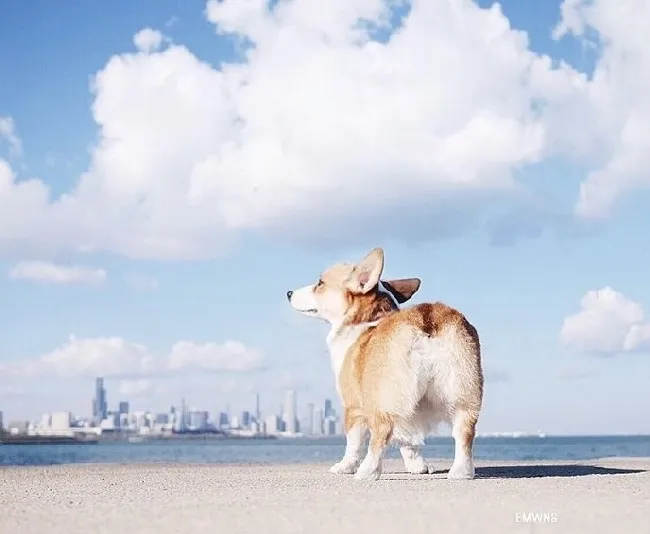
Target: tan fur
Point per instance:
(382, 353)
(399, 370)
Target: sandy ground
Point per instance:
(611, 495)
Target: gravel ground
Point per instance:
(610, 495)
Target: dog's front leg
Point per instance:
(355, 438)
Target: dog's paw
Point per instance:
(417, 466)
(345, 467)
(463, 470)
(368, 472)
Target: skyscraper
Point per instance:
(183, 421)
(317, 422)
(289, 415)
(100, 406)
(245, 419)
(309, 419)
(328, 408)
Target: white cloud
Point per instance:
(609, 118)
(88, 357)
(609, 323)
(117, 357)
(148, 40)
(51, 273)
(323, 125)
(8, 134)
(231, 356)
(24, 211)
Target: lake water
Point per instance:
(316, 450)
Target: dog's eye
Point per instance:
(319, 284)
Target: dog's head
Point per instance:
(352, 294)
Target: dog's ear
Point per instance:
(366, 274)
(403, 288)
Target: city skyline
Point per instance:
(156, 394)
(289, 419)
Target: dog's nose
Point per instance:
(289, 293)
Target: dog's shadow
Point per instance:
(538, 471)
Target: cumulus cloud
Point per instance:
(230, 356)
(52, 273)
(608, 323)
(117, 357)
(613, 105)
(148, 40)
(336, 119)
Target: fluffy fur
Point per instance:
(399, 372)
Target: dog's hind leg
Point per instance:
(463, 431)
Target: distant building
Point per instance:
(223, 419)
(197, 420)
(162, 419)
(176, 421)
(115, 418)
(60, 421)
(124, 407)
(309, 419)
(46, 420)
(107, 424)
(18, 427)
(1, 421)
(234, 422)
(330, 426)
(289, 415)
(328, 408)
(273, 424)
(317, 423)
(245, 419)
(100, 407)
(139, 419)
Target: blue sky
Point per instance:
(177, 236)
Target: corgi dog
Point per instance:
(399, 372)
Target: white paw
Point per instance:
(417, 466)
(345, 467)
(461, 470)
(368, 472)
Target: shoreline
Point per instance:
(563, 496)
(634, 462)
